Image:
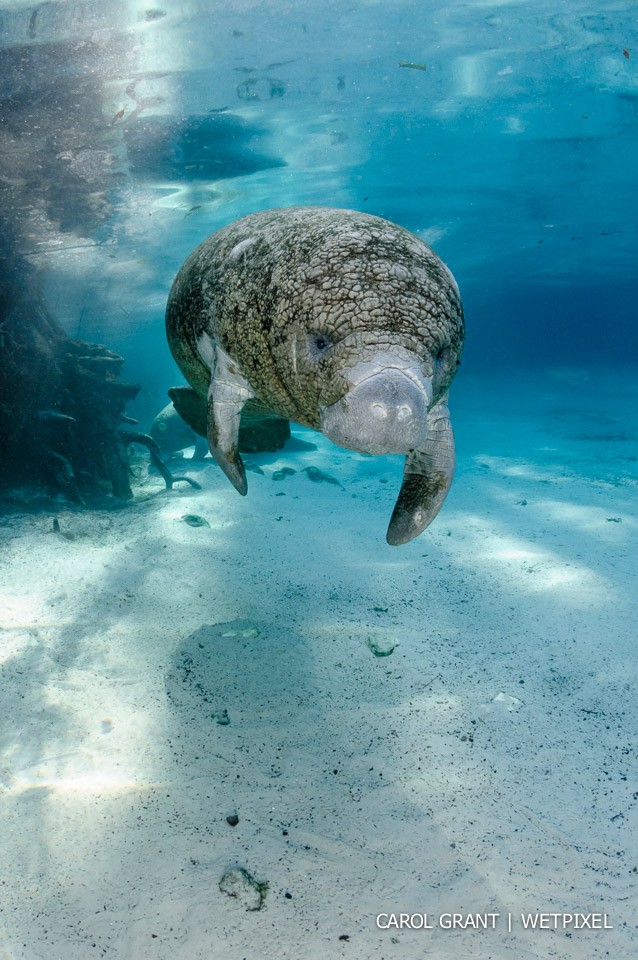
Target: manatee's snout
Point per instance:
(385, 411)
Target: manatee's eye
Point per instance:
(319, 343)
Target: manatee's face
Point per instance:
(368, 338)
(384, 409)
(372, 392)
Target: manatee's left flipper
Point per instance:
(228, 392)
(426, 479)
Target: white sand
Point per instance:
(400, 791)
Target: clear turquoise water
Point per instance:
(504, 133)
(513, 152)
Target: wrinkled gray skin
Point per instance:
(335, 319)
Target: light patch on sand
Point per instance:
(108, 744)
(521, 566)
(20, 610)
(590, 519)
(14, 640)
(522, 469)
(73, 775)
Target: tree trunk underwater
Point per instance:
(62, 404)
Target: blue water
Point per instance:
(504, 134)
(513, 151)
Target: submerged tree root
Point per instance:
(62, 405)
(146, 441)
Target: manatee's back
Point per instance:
(186, 319)
(251, 282)
(225, 293)
(236, 287)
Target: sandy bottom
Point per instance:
(157, 678)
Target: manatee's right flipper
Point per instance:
(260, 429)
(218, 417)
(228, 392)
(426, 479)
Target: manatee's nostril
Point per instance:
(385, 412)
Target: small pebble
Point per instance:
(239, 883)
(232, 819)
(381, 646)
(193, 520)
(221, 717)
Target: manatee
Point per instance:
(171, 433)
(338, 320)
